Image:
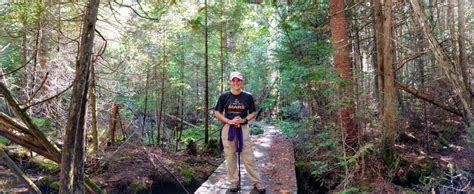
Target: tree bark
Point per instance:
(222, 45)
(452, 30)
(379, 42)
(72, 160)
(343, 65)
(389, 130)
(38, 142)
(93, 107)
(462, 44)
(162, 96)
(206, 79)
(181, 102)
(146, 103)
(454, 75)
(113, 122)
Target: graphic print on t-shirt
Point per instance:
(236, 107)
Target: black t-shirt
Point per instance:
(235, 105)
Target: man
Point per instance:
(235, 109)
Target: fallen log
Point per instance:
(179, 119)
(426, 98)
(38, 143)
(5, 158)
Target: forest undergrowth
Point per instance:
(438, 158)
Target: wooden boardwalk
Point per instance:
(217, 182)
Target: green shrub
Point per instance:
(469, 137)
(350, 190)
(45, 165)
(186, 172)
(256, 130)
(49, 184)
(4, 141)
(138, 186)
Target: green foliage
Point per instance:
(286, 127)
(21, 14)
(299, 163)
(186, 172)
(447, 129)
(45, 165)
(41, 122)
(45, 125)
(304, 54)
(469, 137)
(350, 190)
(197, 134)
(427, 184)
(363, 151)
(4, 141)
(138, 186)
(255, 130)
(48, 183)
(320, 168)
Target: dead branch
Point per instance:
(38, 89)
(146, 16)
(20, 113)
(47, 99)
(18, 171)
(426, 98)
(179, 119)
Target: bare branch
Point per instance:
(17, 69)
(47, 99)
(136, 12)
(426, 98)
(102, 50)
(38, 89)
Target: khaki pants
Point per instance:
(246, 156)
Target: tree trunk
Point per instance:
(379, 42)
(454, 75)
(462, 44)
(452, 31)
(343, 65)
(72, 160)
(113, 122)
(93, 107)
(222, 45)
(206, 79)
(162, 96)
(146, 103)
(451, 23)
(389, 130)
(35, 140)
(24, 56)
(181, 102)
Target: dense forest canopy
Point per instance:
(367, 90)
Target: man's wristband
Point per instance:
(246, 120)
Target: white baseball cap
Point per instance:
(237, 75)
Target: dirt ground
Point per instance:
(9, 182)
(130, 168)
(277, 168)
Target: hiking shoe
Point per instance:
(259, 187)
(234, 188)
